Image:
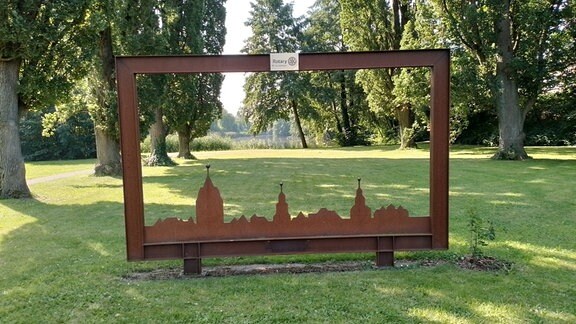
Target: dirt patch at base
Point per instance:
(484, 264)
(468, 263)
(264, 269)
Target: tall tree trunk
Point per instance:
(349, 137)
(510, 117)
(12, 169)
(406, 120)
(299, 124)
(108, 160)
(108, 154)
(184, 145)
(337, 117)
(158, 153)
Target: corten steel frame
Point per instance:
(192, 251)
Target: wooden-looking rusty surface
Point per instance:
(210, 224)
(391, 225)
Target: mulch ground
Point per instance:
(477, 264)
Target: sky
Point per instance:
(238, 12)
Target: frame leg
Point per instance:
(384, 259)
(193, 266)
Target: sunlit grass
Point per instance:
(62, 254)
(46, 168)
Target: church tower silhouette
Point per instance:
(281, 216)
(360, 212)
(209, 204)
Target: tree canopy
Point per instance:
(274, 95)
(513, 71)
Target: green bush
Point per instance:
(255, 144)
(171, 144)
(211, 143)
(552, 121)
(71, 140)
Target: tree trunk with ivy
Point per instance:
(184, 145)
(405, 118)
(108, 161)
(510, 116)
(12, 169)
(108, 153)
(158, 152)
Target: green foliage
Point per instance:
(191, 102)
(552, 121)
(72, 138)
(171, 144)
(274, 95)
(519, 47)
(481, 129)
(212, 143)
(400, 95)
(481, 231)
(340, 109)
(254, 143)
(229, 123)
(50, 40)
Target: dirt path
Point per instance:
(58, 176)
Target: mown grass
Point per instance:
(62, 254)
(47, 168)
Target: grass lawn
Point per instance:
(62, 254)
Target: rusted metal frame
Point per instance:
(131, 165)
(260, 63)
(439, 151)
(128, 67)
(248, 247)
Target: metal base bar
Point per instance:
(192, 266)
(384, 259)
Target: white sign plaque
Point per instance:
(284, 62)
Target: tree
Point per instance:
(102, 104)
(118, 28)
(520, 44)
(274, 95)
(42, 45)
(102, 97)
(192, 101)
(376, 25)
(145, 31)
(411, 92)
(334, 95)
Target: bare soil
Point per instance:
(264, 269)
(467, 263)
(484, 264)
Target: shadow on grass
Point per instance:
(66, 265)
(251, 186)
(64, 262)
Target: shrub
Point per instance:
(255, 144)
(481, 231)
(73, 139)
(171, 144)
(211, 143)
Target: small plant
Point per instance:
(481, 232)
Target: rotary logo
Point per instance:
(284, 62)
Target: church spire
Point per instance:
(282, 216)
(209, 204)
(360, 212)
